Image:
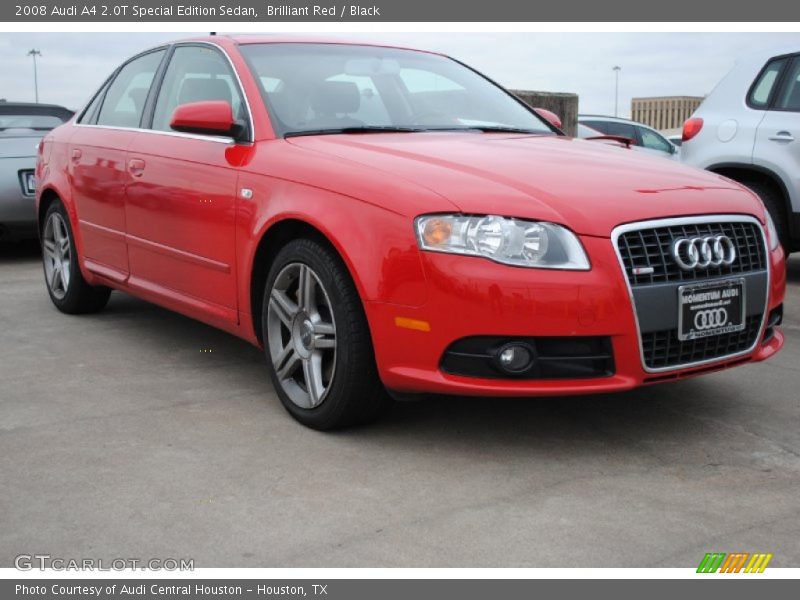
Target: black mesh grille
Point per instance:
(653, 248)
(575, 357)
(664, 349)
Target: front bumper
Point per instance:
(475, 297)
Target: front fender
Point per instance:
(376, 244)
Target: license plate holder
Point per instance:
(711, 308)
(28, 180)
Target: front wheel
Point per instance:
(317, 340)
(67, 288)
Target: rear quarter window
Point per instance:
(764, 85)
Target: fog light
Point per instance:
(515, 358)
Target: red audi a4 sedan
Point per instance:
(386, 221)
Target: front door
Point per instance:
(181, 201)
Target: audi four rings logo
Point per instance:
(710, 319)
(703, 252)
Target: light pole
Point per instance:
(34, 53)
(616, 70)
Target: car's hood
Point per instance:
(587, 185)
(23, 145)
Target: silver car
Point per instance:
(748, 129)
(643, 138)
(21, 128)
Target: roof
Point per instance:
(607, 118)
(282, 38)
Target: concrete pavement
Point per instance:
(140, 433)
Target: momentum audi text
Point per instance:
(385, 221)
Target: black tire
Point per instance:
(774, 203)
(354, 394)
(79, 297)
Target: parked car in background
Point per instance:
(676, 140)
(381, 218)
(641, 136)
(21, 127)
(748, 129)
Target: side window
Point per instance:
(650, 139)
(90, 114)
(762, 89)
(790, 94)
(124, 101)
(196, 74)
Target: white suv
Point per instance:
(748, 129)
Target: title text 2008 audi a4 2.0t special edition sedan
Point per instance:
(388, 219)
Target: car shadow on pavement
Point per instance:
(19, 251)
(793, 269)
(441, 420)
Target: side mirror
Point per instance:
(549, 116)
(210, 117)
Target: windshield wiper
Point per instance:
(492, 129)
(356, 129)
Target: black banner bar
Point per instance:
(706, 586)
(396, 11)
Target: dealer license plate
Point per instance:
(712, 308)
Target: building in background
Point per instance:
(664, 112)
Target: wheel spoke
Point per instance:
(49, 249)
(64, 246)
(56, 229)
(306, 293)
(324, 328)
(54, 275)
(283, 307)
(323, 342)
(286, 362)
(312, 372)
(64, 274)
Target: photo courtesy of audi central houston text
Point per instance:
(390, 224)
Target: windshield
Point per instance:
(330, 88)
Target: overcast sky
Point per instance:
(73, 65)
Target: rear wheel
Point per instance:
(317, 340)
(67, 288)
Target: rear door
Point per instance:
(181, 201)
(778, 138)
(98, 167)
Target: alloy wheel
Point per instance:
(301, 335)
(57, 255)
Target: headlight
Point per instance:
(504, 240)
(772, 232)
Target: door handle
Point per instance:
(76, 155)
(782, 136)
(136, 167)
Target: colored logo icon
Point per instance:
(737, 562)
